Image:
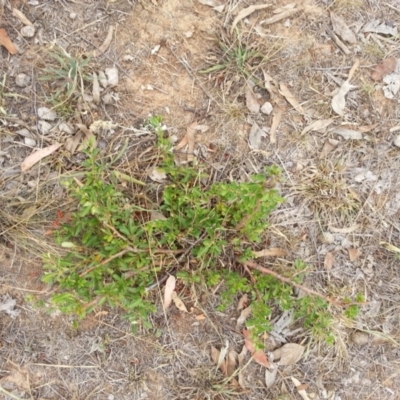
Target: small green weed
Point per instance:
(68, 77)
(116, 249)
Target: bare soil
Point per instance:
(347, 188)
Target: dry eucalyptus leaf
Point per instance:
(6, 42)
(251, 100)
(283, 15)
(215, 356)
(300, 389)
(231, 362)
(36, 156)
(241, 358)
(96, 89)
(246, 12)
(258, 355)
(21, 16)
(376, 26)
(329, 145)
(178, 302)
(341, 29)
(270, 376)
(284, 8)
(387, 66)
(272, 252)
(339, 99)
(243, 317)
(104, 46)
(255, 136)
(350, 229)
(289, 354)
(348, 134)
(353, 253)
(287, 94)
(329, 261)
(242, 301)
(210, 3)
(319, 125)
(191, 132)
(169, 288)
(276, 120)
(360, 128)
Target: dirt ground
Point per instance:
(340, 183)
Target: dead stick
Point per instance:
(252, 264)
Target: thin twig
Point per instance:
(6, 392)
(252, 264)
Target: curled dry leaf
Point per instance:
(276, 120)
(387, 66)
(272, 252)
(90, 138)
(243, 317)
(340, 28)
(104, 46)
(178, 302)
(21, 16)
(258, 355)
(319, 125)
(339, 99)
(289, 353)
(354, 253)
(328, 261)
(6, 42)
(242, 302)
(169, 288)
(251, 100)
(72, 143)
(36, 156)
(246, 12)
(300, 388)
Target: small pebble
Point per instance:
(24, 132)
(30, 142)
(28, 31)
(64, 127)
(44, 127)
(266, 108)
(326, 237)
(46, 114)
(396, 141)
(112, 76)
(22, 80)
(360, 338)
(107, 98)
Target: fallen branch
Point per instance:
(252, 264)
